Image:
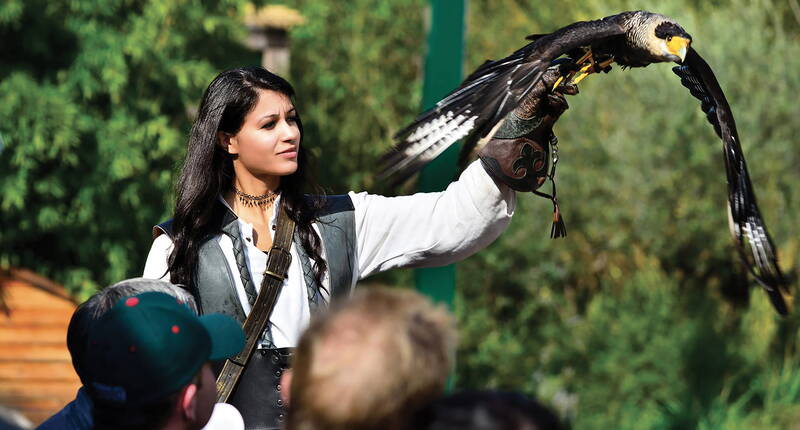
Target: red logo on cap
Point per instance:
(176, 329)
(132, 301)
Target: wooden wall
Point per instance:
(36, 374)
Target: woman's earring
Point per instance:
(224, 141)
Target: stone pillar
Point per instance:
(269, 33)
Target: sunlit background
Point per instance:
(641, 318)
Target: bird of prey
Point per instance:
(629, 39)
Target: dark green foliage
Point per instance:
(641, 318)
(95, 102)
(356, 65)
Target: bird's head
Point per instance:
(660, 36)
(672, 40)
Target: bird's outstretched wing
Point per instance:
(486, 97)
(747, 227)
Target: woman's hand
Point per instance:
(519, 152)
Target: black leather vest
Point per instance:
(257, 395)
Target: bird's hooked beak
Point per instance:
(678, 46)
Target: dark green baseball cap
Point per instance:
(149, 346)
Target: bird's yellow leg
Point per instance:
(590, 68)
(605, 64)
(568, 76)
(586, 56)
(558, 82)
(584, 72)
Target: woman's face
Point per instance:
(269, 141)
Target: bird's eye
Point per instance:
(669, 38)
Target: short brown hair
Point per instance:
(371, 361)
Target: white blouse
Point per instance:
(420, 230)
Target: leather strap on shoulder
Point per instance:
(278, 263)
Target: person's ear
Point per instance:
(286, 384)
(228, 142)
(188, 402)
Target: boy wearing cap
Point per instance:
(149, 358)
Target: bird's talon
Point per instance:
(560, 79)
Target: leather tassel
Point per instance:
(558, 229)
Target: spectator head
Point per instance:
(101, 302)
(486, 410)
(149, 358)
(370, 362)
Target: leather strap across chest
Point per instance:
(278, 263)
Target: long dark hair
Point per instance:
(208, 172)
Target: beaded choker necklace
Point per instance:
(251, 200)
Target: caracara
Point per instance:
(629, 39)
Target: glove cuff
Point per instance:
(514, 126)
(518, 154)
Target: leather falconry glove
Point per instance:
(520, 152)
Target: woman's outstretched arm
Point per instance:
(431, 229)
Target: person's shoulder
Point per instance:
(164, 228)
(162, 242)
(221, 214)
(225, 417)
(76, 415)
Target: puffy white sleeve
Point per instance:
(156, 265)
(431, 229)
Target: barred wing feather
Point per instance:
(485, 98)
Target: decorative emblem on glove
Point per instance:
(531, 160)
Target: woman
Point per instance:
(246, 158)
